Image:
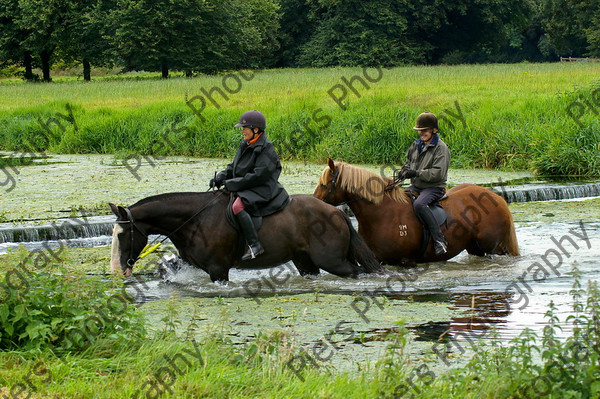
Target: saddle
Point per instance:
(439, 213)
(232, 220)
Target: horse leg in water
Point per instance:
(305, 265)
(474, 249)
(338, 265)
(333, 259)
(330, 255)
(218, 272)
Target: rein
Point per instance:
(149, 248)
(332, 188)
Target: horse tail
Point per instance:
(359, 252)
(509, 242)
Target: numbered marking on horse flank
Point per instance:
(403, 230)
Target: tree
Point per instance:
(194, 35)
(588, 13)
(295, 30)
(87, 37)
(360, 33)
(12, 35)
(469, 26)
(380, 32)
(45, 21)
(259, 25)
(562, 22)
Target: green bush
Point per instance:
(51, 308)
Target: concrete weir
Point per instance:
(62, 229)
(548, 192)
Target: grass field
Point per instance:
(542, 117)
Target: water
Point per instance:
(86, 242)
(95, 226)
(509, 293)
(487, 288)
(61, 229)
(467, 294)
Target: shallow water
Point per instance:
(447, 306)
(459, 299)
(489, 286)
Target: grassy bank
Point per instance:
(524, 116)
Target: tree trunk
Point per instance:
(45, 55)
(87, 70)
(27, 62)
(165, 69)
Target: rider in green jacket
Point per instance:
(426, 165)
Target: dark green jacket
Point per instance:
(431, 163)
(254, 175)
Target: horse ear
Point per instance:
(119, 211)
(331, 164)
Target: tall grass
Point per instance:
(515, 116)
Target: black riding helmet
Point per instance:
(426, 120)
(253, 119)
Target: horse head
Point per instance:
(341, 183)
(128, 241)
(328, 187)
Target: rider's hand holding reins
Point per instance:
(408, 174)
(215, 182)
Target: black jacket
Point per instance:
(253, 176)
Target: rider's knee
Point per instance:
(419, 206)
(237, 206)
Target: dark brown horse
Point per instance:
(478, 219)
(311, 233)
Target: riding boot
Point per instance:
(439, 242)
(249, 232)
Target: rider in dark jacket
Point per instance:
(253, 176)
(427, 165)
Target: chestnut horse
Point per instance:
(478, 220)
(311, 233)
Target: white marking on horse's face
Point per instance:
(115, 250)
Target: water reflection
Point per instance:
(478, 288)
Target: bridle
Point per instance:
(131, 261)
(333, 186)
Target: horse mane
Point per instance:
(364, 183)
(165, 197)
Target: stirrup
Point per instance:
(252, 253)
(440, 248)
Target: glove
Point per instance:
(215, 182)
(408, 174)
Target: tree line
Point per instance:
(208, 36)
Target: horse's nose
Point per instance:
(115, 266)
